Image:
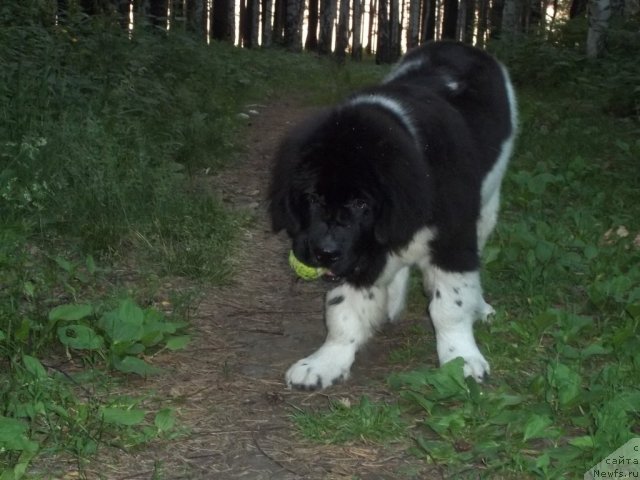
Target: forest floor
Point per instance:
(228, 385)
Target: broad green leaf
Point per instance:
(135, 365)
(64, 264)
(80, 337)
(71, 312)
(566, 381)
(91, 264)
(448, 380)
(13, 435)
(178, 343)
(122, 416)
(594, 349)
(536, 426)
(585, 442)
(165, 419)
(123, 324)
(634, 310)
(34, 367)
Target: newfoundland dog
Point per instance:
(406, 173)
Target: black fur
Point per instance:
(356, 181)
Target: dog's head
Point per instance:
(348, 186)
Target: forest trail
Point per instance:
(228, 387)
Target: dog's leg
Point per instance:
(352, 315)
(397, 294)
(456, 303)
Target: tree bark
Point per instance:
(373, 12)
(356, 44)
(428, 30)
(470, 22)
(222, 21)
(253, 22)
(342, 37)
(450, 19)
(510, 19)
(293, 25)
(279, 19)
(495, 18)
(267, 7)
(394, 30)
(599, 13)
(483, 21)
(195, 17)
(383, 48)
(413, 30)
(461, 24)
(311, 43)
(158, 13)
(578, 8)
(327, 15)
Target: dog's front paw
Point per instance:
(329, 365)
(475, 365)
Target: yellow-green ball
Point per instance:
(305, 272)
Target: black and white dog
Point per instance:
(406, 173)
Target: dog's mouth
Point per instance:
(331, 277)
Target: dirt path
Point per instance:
(228, 385)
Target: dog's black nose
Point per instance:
(327, 255)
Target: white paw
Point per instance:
(477, 367)
(475, 364)
(327, 366)
(486, 312)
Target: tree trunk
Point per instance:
(158, 13)
(450, 19)
(253, 22)
(483, 20)
(279, 18)
(293, 25)
(89, 7)
(267, 7)
(327, 15)
(342, 37)
(413, 30)
(356, 46)
(510, 20)
(383, 49)
(599, 14)
(461, 24)
(470, 21)
(394, 30)
(243, 31)
(373, 12)
(222, 23)
(195, 17)
(495, 18)
(428, 31)
(578, 8)
(311, 43)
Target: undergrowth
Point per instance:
(106, 143)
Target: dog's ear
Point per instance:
(406, 202)
(288, 182)
(282, 208)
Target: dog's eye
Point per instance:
(313, 199)
(358, 204)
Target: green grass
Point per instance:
(345, 422)
(105, 146)
(563, 271)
